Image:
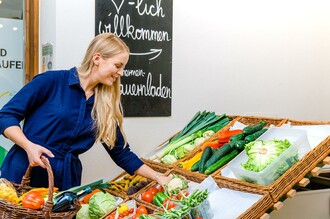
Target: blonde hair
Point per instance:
(107, 111)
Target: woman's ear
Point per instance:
(96, 58)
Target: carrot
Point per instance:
(224, 135)
(85, 199)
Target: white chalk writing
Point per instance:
(147, 89)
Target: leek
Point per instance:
(200, 123)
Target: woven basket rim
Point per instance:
(8, 208)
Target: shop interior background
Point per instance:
(267, 58)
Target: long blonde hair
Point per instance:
(107, 111)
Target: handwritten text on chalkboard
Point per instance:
(146, 27)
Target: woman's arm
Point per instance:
(150, 173)
(34, 151)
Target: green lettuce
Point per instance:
(83, 212)
(100, 204)
(262, 153)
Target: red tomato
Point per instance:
(168, 204)
(153, 190)
(111, 216)
(136, 216)
(185, 193)
(147, 196)
(160, 189)
(199, 218)
(141, 210)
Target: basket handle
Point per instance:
(26, 182)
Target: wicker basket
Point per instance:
(246, 120)
(293, 175)
(232, 118)
(9, 210)
(255, 211)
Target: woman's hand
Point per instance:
(34, 152)
(162, 180)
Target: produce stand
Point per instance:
(296, 173)
(148, 161)
(272, 195)
(246, 120)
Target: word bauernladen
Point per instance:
(11, 64)
(146, 90)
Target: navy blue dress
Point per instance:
(57, 116)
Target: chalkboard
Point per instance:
(146, 27)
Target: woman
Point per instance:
(65, 112)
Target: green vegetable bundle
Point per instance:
(200, 126)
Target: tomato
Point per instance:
(168, 204)
(153, 190)
(160, 189)
(174, 197)
(147, 196)
(185, 193)
(136, 216)
(111, 216)
(141, 210)
(199, 218)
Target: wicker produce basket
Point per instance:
(255, 211)
(10, 210)
(232, 118)
(246, 120)
(293, 175)
(122, 189)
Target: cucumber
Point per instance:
(254, 135)
(236, 137)
(238, 145)
(254, 128)
(221, 162)
(195, 166)
(207, 153)
(222, 151)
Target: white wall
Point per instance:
(256, 57)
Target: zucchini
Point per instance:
(221, 162)
(219, 153)
(195, 166)
(207, 153)
(236, 137)
(254, 135)
(254, 128)
(238, 145)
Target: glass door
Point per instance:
(12, 76)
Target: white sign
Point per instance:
(11, 63)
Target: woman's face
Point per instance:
(108, 70)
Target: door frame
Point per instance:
(31, 18)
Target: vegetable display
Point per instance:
(201, 127)
(219, 151)
(262, 153)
